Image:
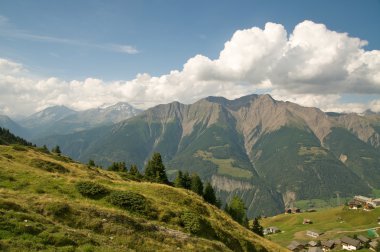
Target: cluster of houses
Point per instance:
(363, 202)
(345, 243)
(271, 230)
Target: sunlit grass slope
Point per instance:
(333, 222)
(41, 209)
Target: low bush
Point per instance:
(130, 201)
(62, 158)
(166, 216)
(8, 205)
(8, 156)
(57, 239)
(19, 148)
(48, 166)
(191, 222)
(91, 190)
(58, 209)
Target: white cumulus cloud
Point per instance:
(312, 66)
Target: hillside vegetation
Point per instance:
(270, 153)
(333, 222)
(50, 203)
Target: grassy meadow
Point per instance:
(333, 222)
(41, 209)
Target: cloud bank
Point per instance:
(312, 66)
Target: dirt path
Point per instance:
(358, 230)
(301, 234)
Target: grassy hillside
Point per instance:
(310, 170)
(334, 222)
(218, 148)
(41, 209)
(361, 157)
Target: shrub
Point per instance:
(58, 209)
(19, 148)
(48, 166)
(8, 156)
(130, 201)
(40, 190)
(166, 216)
(57, 239)
(91, 190)
(43, 149)
(8, 205)
(87, 248)
(191, 222)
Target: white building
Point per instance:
(350, 244)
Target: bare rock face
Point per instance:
(343, 158)
(257, 115)
(289, 198)
(359, 126)
(222, 183)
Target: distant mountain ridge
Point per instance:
(63, 120)
(7, 123)
(269, 152)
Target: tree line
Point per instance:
(155, 172)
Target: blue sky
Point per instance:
(116, 40)
(166, 33)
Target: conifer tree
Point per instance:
(45, 149)
(178, 182)
(134, 171)
(56, 150)
(196, 184)
(209, 194)
(155, 169)
(257, 228)
(186, 181)
(118, 167)
(91, 163)
(236, 209)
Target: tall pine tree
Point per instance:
(155, 169)
(257, 228)
(196, 184)
(134, 171)
(209, 194)
(178, 182)
(186, 181)
(56, 150)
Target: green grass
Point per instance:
(225, 166)
(312, 151)
(319, 204)
(376, 193)
(334, 222)
(42, 210)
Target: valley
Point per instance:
(281, 152)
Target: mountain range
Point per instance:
(271, 153)
(63, 120)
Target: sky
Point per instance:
(89, 53)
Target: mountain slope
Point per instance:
(91, 118)
(47, 116)
(262, 149)
(60, 120)
(8, 123)
(42, 209)
(333, 222)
